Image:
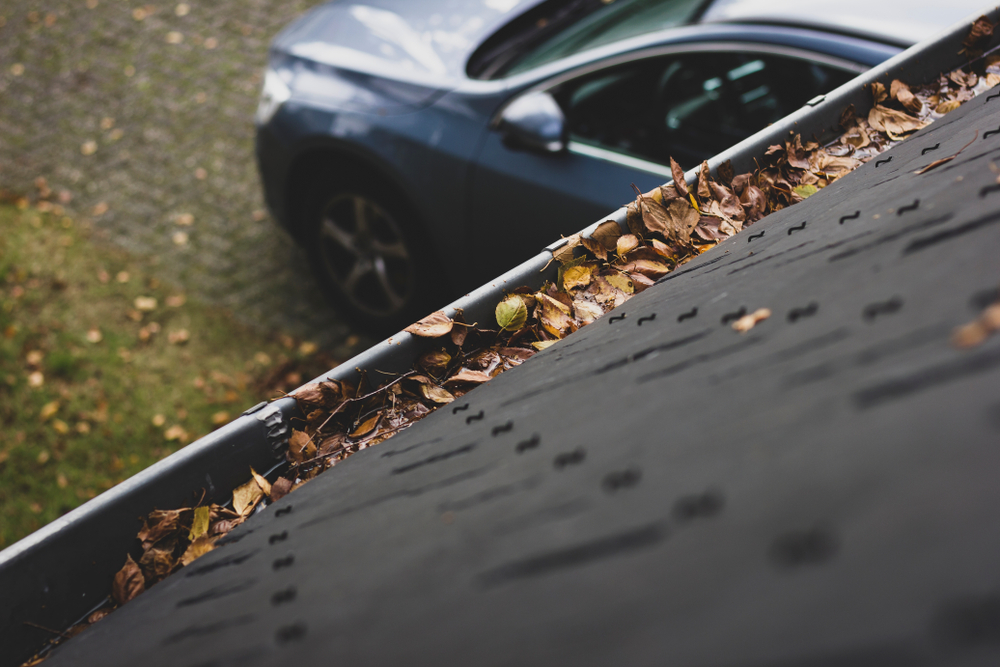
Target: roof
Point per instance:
(661, 489)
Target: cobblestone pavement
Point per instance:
(140, 117)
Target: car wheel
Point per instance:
(370, 259)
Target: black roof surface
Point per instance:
(660, 489)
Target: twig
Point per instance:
(42, 627)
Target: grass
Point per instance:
(97, 381)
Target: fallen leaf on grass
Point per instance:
(145, 303)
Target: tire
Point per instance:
(369, 254)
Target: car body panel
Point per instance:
(423, 40)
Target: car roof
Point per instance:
(893, 21)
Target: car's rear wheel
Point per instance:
(370, 257)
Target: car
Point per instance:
(416, 148)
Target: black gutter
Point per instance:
(56, 575)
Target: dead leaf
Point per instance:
(573, 278)
(435, 361)
(435, 325)
(197, 549)
(946, 160)
(157, 564)
(436, 394)
(621, 282)
(470, 376)
(567, 251)
(978, 37)
(607, 234)
(280, 488)
(246, 497)
(199, 524)
(748, 322)
(367, 426)
(947, 107)
(128, 582)
(300, 447)
(680, 185)
(262, 482)
(900, 92)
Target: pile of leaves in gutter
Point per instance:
(665, 228)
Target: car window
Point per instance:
(689, 106)
(617, 20)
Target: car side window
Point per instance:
(689, 106)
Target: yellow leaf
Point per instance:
(197, 549)
(577, 276)
(246, 497)
(262, 482)
(621, 282)
(199, 525)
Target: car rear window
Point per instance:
(617, 20)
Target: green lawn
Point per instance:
(105, 370)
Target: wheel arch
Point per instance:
(322, 159)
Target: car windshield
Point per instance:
(616, 21)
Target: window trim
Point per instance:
(727, 46)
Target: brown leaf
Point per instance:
(326, 394)
(554, 316)
(878, 93)
(300, 447)
(595, 247)
(157, 563)
(979, 36)
(645, 267)
(159, 524)
(436, 361)
(470, 376)
(587, 311)
(626, 244)
(280, 488)
(679, 183)
(262, 482)
(197, 549)
(675, 222)
(458, 332)
(607, 234)
(435, 325)
(367, 426)
(704, 179)
(725, 172)
(567, 251)
(900, 92)
(946, 160)
(246, 497)
(128, 582)
(436, 394)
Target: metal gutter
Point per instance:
(54, 576)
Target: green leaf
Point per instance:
(805, 191)
(511, 313)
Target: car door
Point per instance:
(624, 122)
